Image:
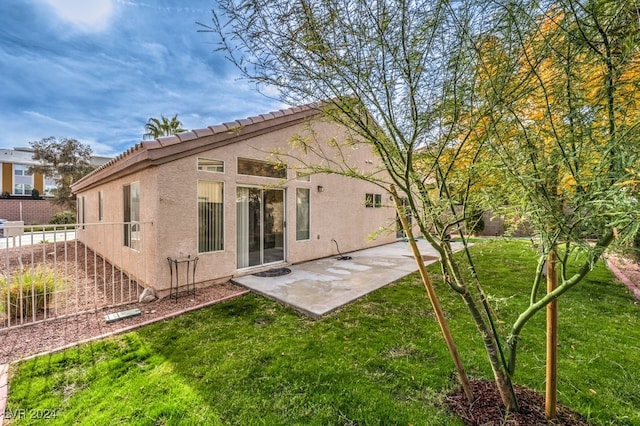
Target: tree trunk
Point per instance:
(503, 382)
(502, 379)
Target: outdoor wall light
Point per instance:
(320, 188)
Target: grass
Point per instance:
(49, 228)
(378, 361)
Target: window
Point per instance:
(368, 200)
(206, 165)
(373, 200)
(22, 180)
(210, 216)
(131, 215)
(50, 183)
(100, 206)
(261, 168)
(81, 211)
(302, 214)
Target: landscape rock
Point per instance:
(147, 296)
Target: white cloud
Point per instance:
(49, 120)
(89, 16)
(99, 148)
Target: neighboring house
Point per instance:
(15, 179)
(16, 186)
(218, 194)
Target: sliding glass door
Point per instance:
(259, 226)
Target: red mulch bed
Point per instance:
(487, 409)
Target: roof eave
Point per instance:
(167, 149)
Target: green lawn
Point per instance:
(379, 361)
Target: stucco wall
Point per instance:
(106, 236)
(169, 201)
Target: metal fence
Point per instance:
(63, 270)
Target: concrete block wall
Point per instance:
(494, 226)
(34, 212)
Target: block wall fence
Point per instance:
(34, 212)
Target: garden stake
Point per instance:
(435, 302)
(551, 390)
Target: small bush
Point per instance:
(35, 194)
(28, 291)
(63, 218)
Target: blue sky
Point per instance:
(96, 70)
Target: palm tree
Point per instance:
(163, 127)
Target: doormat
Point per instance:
(276, 272)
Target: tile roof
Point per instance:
(169, 148)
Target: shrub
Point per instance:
(29, 291)
(35, 194)
(63, 218)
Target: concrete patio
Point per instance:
(321, 286)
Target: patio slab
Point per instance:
(321, 286)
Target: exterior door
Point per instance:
(259, 226)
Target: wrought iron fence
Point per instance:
(62, 270)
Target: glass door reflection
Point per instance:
(260, 226)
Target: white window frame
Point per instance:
(278, 169)
(81, 209)
(132, 225)
(24, 173)
(203, 160)
(308, 214)
(49, 183)
(224, 243)
(100, 206)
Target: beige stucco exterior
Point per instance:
(169, 199)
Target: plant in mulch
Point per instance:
(29, 291)
(487, 409)
(63, 218)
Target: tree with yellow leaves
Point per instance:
(531, 98)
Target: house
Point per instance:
(15, 179)
(219, 194)
(16, 184)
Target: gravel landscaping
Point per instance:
(33, 339)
